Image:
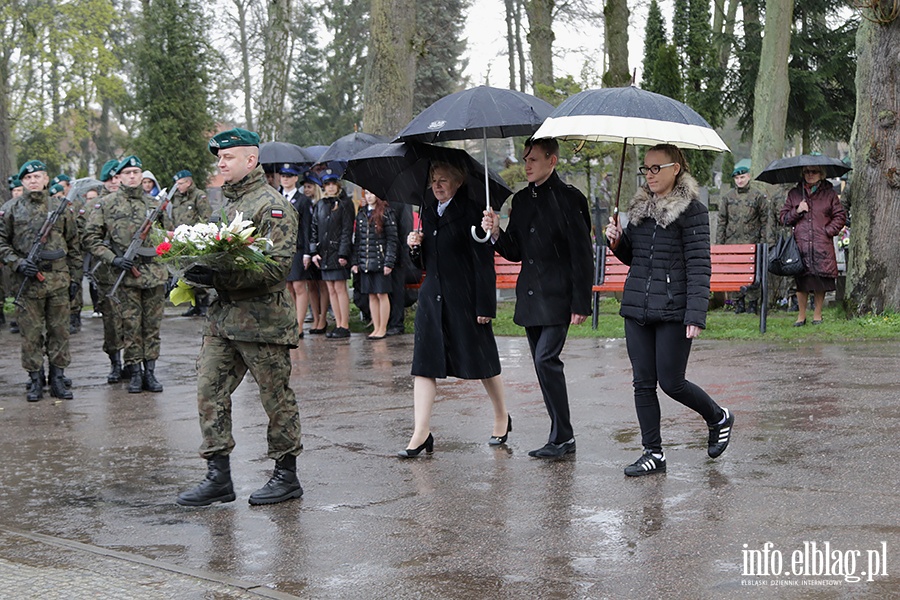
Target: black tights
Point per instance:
(659, 353)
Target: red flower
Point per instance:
(163, 248)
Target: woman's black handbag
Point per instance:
(784, 257)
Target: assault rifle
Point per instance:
(37, 248)
(137, 240)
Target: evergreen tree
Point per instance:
(307, 81)
(667, 80)
(171, 83)
(654, 39)
(440, 44)
(702, 85)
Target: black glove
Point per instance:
(200, 275)
(123, 263)
(27, 268)
(73, 290)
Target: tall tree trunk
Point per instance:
(615, 14)
(873, 281)
(772, 86)
(246, 84)
(392, 67)
(540, 38)
(276, 69)
(511, 42)
(6, 146)
(726, 30)
(520, 47)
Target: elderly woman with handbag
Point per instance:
(814, 210)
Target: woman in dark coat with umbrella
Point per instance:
(330, 245)
(457, 301)
(814, 210)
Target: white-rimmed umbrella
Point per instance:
(629, 115)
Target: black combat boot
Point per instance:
(13, 327)
(136, 384)
(752, 307)
(36, 391)
(66, 380)
(115, 363)
(216, 487)
(149, 381)
(74, 322)
(57, 385)
(739, 306)
(283, 485)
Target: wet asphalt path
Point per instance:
(87, 486)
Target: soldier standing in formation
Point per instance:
(743, 219)
(104, 277)
(15, 190)
(42, 312)
(110, 229)
(189, 206)
(252, 326)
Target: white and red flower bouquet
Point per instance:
(218, 247)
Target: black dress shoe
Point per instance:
(339, 333)
(317, 331)
(551, 450)
(395, 331)
(499, 440)
(427, 446)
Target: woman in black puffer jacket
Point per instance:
(374, 256)
(330, 245)
(666, 295)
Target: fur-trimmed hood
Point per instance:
(665, 210)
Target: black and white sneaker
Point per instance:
(720, 435)
(646, 465)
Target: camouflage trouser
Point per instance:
(77, 303)
(112, 320)
(141, 310)
(749, 293)
(37, 315)
(221, 366)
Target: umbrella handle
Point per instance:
(487, 235)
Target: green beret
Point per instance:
(109, 170)
(56, 189)
(232, 138)
(61, 177)
(14, 182)
(182, 174)
(128, 162)
(743, 166)
(32, 166)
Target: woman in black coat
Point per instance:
(331, 244)
(666, 296)
(457, 301)
(374, 257)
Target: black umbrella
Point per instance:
(790, 169)
(283, 152)
(315, 152)
(481, 112)
(83, 185)
(345, 148)
(400, 172)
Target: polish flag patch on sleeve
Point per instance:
(277, 213)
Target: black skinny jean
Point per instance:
(659, 353)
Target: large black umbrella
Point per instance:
(283, 152)
(481, 112)
(400, 172)
(315, 152)
(345, 148)
(629, 115)
(790, 169)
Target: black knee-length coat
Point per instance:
(459, 286)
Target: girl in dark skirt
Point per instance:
(374, 256)
(330, 247)
(301, 285)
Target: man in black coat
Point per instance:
(549, 232)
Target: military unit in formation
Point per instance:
(51, 238)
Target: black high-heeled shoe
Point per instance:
(498, 440)
(427, 446)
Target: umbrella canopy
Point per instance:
(480, 112)
(790, 169)
(400, 172)
(81, 186)
(282, 152)
(630, 115)
(315, 152)
(345, 148)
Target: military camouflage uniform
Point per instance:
(105, 276)
(44, 305)
(743, 219)
(252, 326)
(189, 208)
(80, 212)
(108, 233)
